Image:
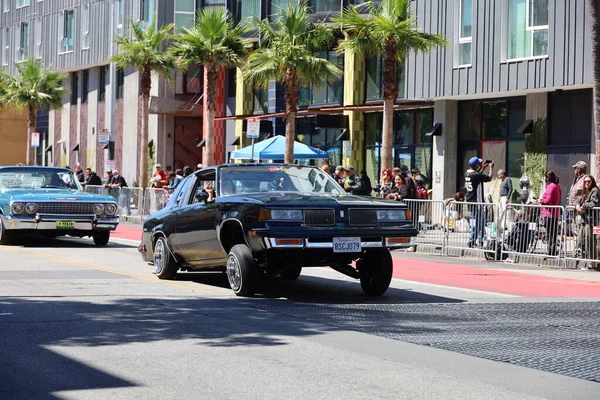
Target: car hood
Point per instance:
(315, 200)
(7, 195)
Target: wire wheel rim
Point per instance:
(234, 273)
(159, 257)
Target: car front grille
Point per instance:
(69, 208)
(361, 217)
(325, 217)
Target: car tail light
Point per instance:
(288, 242)
(398, 240)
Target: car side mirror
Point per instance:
(201, 196)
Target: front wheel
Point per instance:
(165, 266)
(5, 235)
(375, 271)
(242, 272)
(101, 238)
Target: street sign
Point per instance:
(109, 165)
(253, 128)
(35, 139)
(103, 137)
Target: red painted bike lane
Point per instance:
(466, 277)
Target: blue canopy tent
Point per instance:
(274, 149)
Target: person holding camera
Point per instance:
(474, 180)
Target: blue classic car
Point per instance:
(261, 220)
(47, 201)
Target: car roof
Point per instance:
(263, 165)
(32, 167)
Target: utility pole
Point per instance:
(112, 76)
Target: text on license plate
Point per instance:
(346, 245)
(65, 224)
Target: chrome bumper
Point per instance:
(307, 244)
(48, 222)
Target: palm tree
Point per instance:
(34, 87)
(388, 30)
(214, 41)
(144, 51)
(286, 54)
(595, 27)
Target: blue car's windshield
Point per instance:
(241, 179)
(35, 178)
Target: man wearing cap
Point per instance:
(474, 180)
(352, 183)
(577, 187)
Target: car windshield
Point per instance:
(37, 178)
(234, 180)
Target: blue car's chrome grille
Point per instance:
(323, 217)
(361, 217)
(75, 208)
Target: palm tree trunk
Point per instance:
(390, 92)
(31, 116)
(211, 107)
(143, 146)
(595, 25)
(291, 109)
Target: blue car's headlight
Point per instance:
(98, 209)
(31, 208)
(17, 208)
(110, 209)
(391, 215)
(281, 215)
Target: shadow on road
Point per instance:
(64, 242)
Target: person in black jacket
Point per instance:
(91, 178)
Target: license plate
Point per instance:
(65, 224)
(347, 245)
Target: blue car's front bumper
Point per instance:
(49, 222)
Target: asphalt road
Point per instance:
(80, 322)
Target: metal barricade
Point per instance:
(473, 226)
(154, 199)
(115, 193)
(131, 201)
(582, 227)
(533, 230)
(428, 216)
(93, 189)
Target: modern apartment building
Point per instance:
(511, 64)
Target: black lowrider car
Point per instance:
(274, 219)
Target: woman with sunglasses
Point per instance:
(590, 199)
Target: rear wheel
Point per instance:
(101, 238)
(375, 271)
(5, 235)
(242, 271)
(291, 273)
(165, 266)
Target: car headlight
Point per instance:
(31, 208)
(98, 209)
(110, 209)
(17, 208)
(281, 215)
(391, 215)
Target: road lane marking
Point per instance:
(143, 277)
(5, 313)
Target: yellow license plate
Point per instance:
(65, 224)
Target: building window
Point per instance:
(74, 87)
(23, 42)
(325, 5)
(231, 78)
(85, 86)
(247, 9)
(207, 3)
(5, 46)
(120, 82)
(120, 16)
(374, 77)
(261, 100)
(465, 32)
(22, 3)
(328, 93)
(527, 28)
(146, 10)
(277, 5)
(68, 27)
(85, 27)
(102, 84)
(6, 6)
(38, 38)
(185, 11)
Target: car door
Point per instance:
(196, 234)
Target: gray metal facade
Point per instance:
(436, 75)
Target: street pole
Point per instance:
(252, 151)
(112, 76)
